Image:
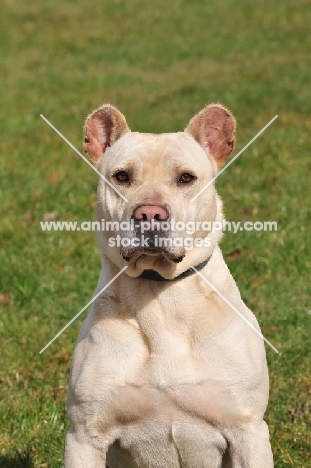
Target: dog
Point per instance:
(165, 374)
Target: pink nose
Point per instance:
(150, 212)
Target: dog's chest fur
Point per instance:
(170, 372)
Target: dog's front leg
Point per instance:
(80, 452)
(253, 448)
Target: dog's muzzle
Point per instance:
(151, 235)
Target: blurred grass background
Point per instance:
(159, 62)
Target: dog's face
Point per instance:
(158, 227)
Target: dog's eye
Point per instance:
(122, 177)
(185, 178)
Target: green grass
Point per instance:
(160, 62)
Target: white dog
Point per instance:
(165, 374)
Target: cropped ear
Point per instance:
(214, 128)
(102, 128)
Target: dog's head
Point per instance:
(145, 200)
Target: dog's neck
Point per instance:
(155, 276)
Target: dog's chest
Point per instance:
(173, 387)
(150, 380)
(166, 410)
(158, 367)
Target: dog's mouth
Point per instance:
(151, 243)
(151, 252)
(168, 254)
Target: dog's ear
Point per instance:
(102, 128)
(214, 128)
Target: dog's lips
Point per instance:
(170, 256)
(175, 257)
(151, 252)
(150, 242)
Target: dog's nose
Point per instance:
(150, 212)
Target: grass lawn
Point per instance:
(159, 62)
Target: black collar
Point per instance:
(155, 276)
